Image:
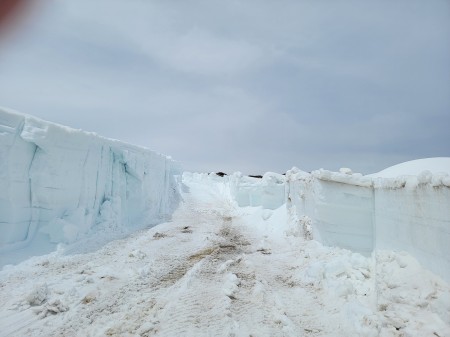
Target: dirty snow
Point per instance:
(220, 270)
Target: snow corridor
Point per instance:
(221, 270)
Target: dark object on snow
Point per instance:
(257, 176)
(186, 229)
(221, 174)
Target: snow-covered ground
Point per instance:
(221, 270)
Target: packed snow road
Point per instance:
(220, 270)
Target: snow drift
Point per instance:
(57, 183)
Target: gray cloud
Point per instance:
(242, 85)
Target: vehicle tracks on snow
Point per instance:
(223, 285)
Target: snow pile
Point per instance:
(411, 301)
(379, 212)
(58, 183)
(415, 168)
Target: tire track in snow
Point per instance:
(225, 294)
(256, 309)
(172, 307)
(228, 288)
(270, 300)
(198, 304)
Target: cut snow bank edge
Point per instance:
(363, 213)
(57, 183)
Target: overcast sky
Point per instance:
(236, 85)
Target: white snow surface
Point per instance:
(60, 185)
(218, 269)
(415, 167)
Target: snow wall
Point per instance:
(61, 182)
(340, 207)
(361, 213)
(268, 191)
(415, 217)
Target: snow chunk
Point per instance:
(345, 170)
(39, 295)
(346, 176)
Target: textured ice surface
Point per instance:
(57, 183)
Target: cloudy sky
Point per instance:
(236, 85)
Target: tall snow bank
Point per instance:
(381, 211)
(61, 182)
(416, 220)
(384, 211)
(339, 206)
(268, 191)
(412, 211)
